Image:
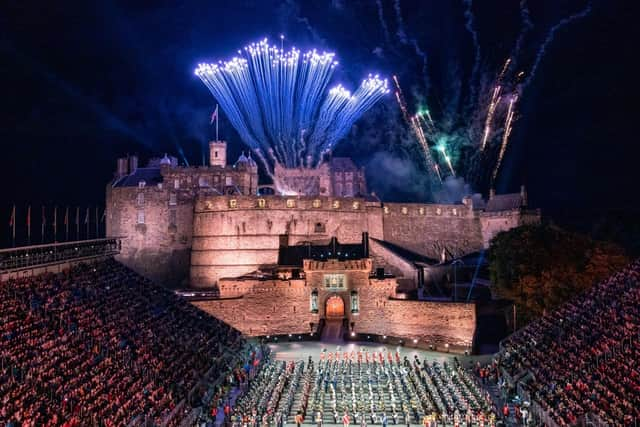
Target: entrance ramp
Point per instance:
(332, 331)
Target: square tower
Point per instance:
(218, 153)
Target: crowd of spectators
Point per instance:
(100, 345)
(584, 358)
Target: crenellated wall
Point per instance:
(235, 235)
(278, 307)
(428, 229)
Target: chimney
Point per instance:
(492, 193)
(122, 167)
(218, 153)
(133, 163)
(523, 195)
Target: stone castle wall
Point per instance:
(427, 229)
(492, 223)
(432, 323)
(270, 307)
(237, 235)
(278, 307)
(160, 247)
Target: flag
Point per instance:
(214, 116)
(66, 223)
(43, 222)
(55, 223)
(12, 223)
(29, 221)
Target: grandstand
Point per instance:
(581, 363)
(100, 345)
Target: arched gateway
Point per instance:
(334, 307)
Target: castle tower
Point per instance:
(218, 153)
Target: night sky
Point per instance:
(86, 82)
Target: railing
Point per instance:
(39, 255)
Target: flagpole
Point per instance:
(42, 222)
(66, 224)
(29, 225)
(13, 224)
(86, 220)
(55, 224)
(97, 229)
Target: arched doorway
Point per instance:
(334, 307)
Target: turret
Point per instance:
(218, 153)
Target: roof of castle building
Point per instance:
(405, 253)
(343, 164)
(151, 176)
(504, 202)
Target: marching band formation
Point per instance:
(361, 388)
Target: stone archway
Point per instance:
(334, 307)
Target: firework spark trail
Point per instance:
(550, 36)
(508, 126)
(526, 26)
(469, 23)
(414, 124)
(383, 24)
(279, 103)
(401, 33)
(495, 100)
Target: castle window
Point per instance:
(176, 184)
(215, 154)
(349, 189)
(421, 211)
(356, 205)
(386, 209)
(313, 302)
(262, 203)
(455, 212)
(173, 200)
(291, 203)
(335, 281)
(317, 203)
(228, 180)
(173, 217)
(140, 217)
(216, 179)
(438, 211)
(336, 204)
(141, 183)
(405, 210)
(140, 199)
(233, 203)
(203, 182)
(319, 228)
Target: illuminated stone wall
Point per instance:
(280, 307)
(237, 235)
(430, 229)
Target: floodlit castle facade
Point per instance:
(213, 227)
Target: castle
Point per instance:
(214, 227)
